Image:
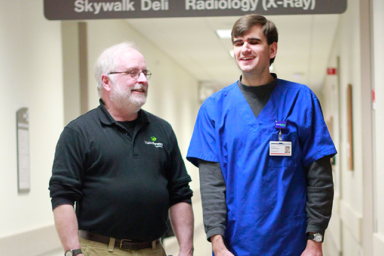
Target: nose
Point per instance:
(142, 78)
(246, 46)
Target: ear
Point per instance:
(272, 50)
(106, 82)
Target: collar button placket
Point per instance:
(135, 154)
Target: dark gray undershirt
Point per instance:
(129, 126)
(213, 188)
(257, 96)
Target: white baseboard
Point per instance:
(31, 243)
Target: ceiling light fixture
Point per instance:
(298, 75)
(224, 33)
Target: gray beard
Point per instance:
(125, 101)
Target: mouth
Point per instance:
(138, 90)
(247, 58)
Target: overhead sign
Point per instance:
(129, 9)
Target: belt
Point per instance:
(122, 244)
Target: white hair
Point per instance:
(107, 61)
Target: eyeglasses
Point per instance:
(135, 73)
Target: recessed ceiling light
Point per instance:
(271, 68)
(231, 53)
(224, 33)
(298, 75)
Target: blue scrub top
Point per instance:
(266, 195)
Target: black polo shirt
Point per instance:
(123, 185)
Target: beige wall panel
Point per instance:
(31, 68)
(351, 182)
(378, 79)
(351, 220)
(71, 74)
(350, 246)
(378, 245)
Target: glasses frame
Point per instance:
(147, 76)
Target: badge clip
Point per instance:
(281, 125)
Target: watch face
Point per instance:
(68, 253)
(317, 237)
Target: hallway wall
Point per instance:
(344, 232)
(30, 64)
(31, 69)
(34, 55)
(355, 225)
(33, 60)
(378, 82)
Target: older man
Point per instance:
(263, 152)
(122, 167)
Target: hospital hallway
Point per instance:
(47, 63)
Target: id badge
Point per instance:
(280, 148)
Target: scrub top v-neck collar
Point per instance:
(250, 116)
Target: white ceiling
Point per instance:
(303, 49)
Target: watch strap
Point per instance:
(74, 252)
(77, 252)
(317, 237)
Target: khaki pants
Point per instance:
(91, 248)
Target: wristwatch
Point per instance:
(71, 252)
(317, 237)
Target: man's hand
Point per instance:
(218, 246)
(313, 249)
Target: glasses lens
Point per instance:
(147, 74)
(135, 74)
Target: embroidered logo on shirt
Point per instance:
(157, 145)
